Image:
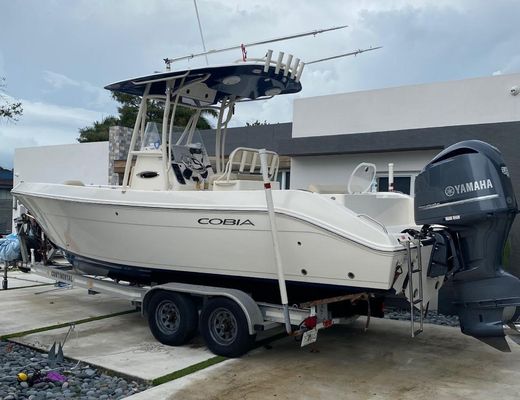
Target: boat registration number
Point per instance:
(309, 337)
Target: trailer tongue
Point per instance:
(467, 189)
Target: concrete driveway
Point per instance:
(345, 363)
(29, 308)
(348, 363)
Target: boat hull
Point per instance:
(261, 289)
(158, 241)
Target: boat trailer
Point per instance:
(310, 317)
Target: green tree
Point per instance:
(98, 132)
(128, 109)
(8, 109)
(257, 123)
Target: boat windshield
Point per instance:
(152, 136)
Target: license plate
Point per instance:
(309, 337)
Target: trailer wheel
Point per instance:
(223, 325)
(172, 317)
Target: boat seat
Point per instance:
(362, 178)
(243, 171)
(360, 181)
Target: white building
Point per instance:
(406, 126)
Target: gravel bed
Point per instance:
(430, 318)
(82, 381)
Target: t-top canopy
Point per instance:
(245, 81)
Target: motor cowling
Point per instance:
(467, 189)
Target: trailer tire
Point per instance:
(224, 327)
(172, 317)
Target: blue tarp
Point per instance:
(10, 248)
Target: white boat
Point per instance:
(175, 218)
(143, 234)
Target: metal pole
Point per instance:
(4, 282)
(274, 235)
(419, 267)
(200, 30)
(391, 177)
(130, 156)
(410, 286)
(164, 136)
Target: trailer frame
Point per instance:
(309, 317)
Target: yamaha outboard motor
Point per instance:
(467, 189)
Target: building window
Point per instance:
(284, 177)
(402, 184)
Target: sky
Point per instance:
(57, 55)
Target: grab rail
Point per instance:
(374, 220)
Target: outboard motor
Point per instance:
(467, 189)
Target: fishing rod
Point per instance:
(352, 53)
(297, 68)
(169, 61)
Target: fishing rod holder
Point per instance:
(292, 70)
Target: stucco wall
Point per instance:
(87, 162)
(470, 101)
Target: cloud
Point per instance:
(279, 109)
(2, 65)
(9, 143)
(79, 48)
(58, 81)
(510, 66)
(97, 97)
(43, 124)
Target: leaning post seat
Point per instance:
(243, 171)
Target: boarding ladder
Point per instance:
(416, 299)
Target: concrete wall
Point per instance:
(336, 169)
(470, 101)
(87, 162)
